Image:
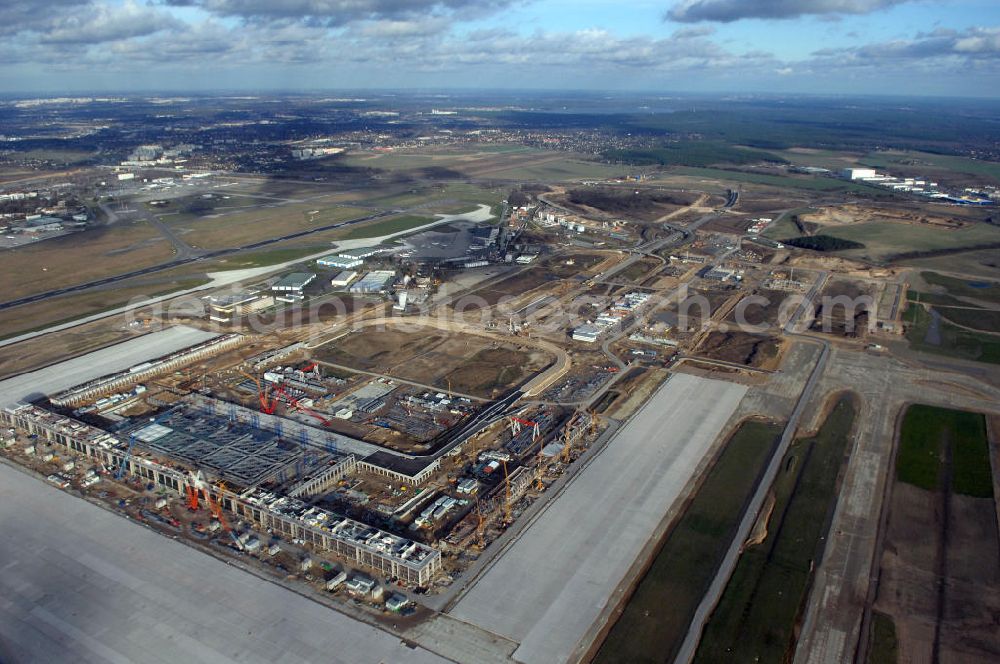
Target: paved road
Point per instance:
(845, 581)
(715, 590)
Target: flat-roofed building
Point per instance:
(587, 333)
(289, 287)
(858, 173)
(230, 307)
(376, 281)
(344, 279)
(361, 252)
(340, 262)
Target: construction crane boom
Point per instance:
(128, 455)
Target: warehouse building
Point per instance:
(376, 281)
(858, 173)
(339, 262)
(289, 288)
(344, 279)
(588, 333)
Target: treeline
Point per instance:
(823, 243)
(691, 153)
(614, 201)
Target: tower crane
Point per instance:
(506, 502)
(128, 455)
(480, 525)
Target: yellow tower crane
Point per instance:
(506, 502)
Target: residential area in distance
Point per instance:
(499, 377)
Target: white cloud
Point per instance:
(95, 24)
(726, 11)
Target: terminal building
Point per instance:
(412, 562)
(362, 252)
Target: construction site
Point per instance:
(275, 453)
(455, 452)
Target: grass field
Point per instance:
(448, 157)
(883, 647)
(954, 341)
(833, 160)
(925, 430)
(245, 227)
(66, 308)
(440, 197)
(984, 320)
(267, 257)
(940, 299)
(806, 182)
(882, 239)
(916, 162)
(989, 292)
(79, 257)
(561, 170)
(657, 616)
(386, 226)
(501, 162)
(761, 605)
(692, 153)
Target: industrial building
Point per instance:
(340, 262)
(344, 279)
(376, 281)
(588, 333)
(362, 252)
(857, 173)
(616, 314)
(289, 288)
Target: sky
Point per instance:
(896, 47)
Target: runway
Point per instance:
(548, 589)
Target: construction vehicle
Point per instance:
(297, 405)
